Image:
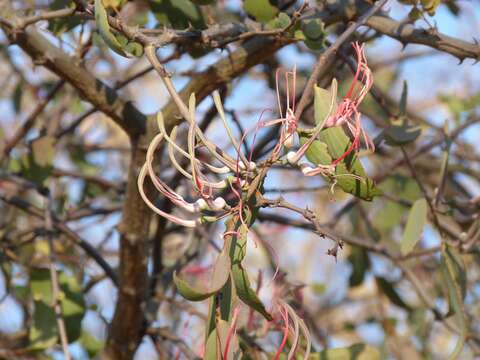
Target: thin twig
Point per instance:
(56, 298)
(328, 55)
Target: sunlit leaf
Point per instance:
(325, 102)
(91, 344)
(240, 276)
(261, 10)
(414, 227)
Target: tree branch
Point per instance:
(41, 51)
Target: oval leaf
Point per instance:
(414, 228)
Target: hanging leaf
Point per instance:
(389, 291)
(220, 275)
(240, 276)
(101, 20)
(414, 227)
(261, 10)
(360, 262)
(398, 135)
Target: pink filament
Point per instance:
(347, 112)
(285, 333)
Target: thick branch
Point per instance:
(124, 113)
(408, 34)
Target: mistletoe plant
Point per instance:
(324, 150)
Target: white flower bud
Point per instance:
(219, 203)
(201, 204)
(292, 157)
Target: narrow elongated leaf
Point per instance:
(389, 290)
(220, 275)
(414, 228)
(240, 276)
(103, 27)
(397, 135)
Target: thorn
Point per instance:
(460, 60)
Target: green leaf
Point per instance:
(73, 306)
(240, 276)
(17, 96)
(41, 285)
(43, 150)
(319, 288)
(203, 2)
(72, 301)
(91, 344)
(101, 20)
(325, 102)
(211, 347)
(349, 173)
(179, 14)
(317, 152)
(397, 135)
(280, 22)
(414, 14)
(354, 352)
(414, 227)
(389, 291)
(220, 275)
(403, 100)
(261, 10)
(313, 29)
(234, 352)
(37, 165)
(43, 333)
(60, 25)
(455, 278)
(360, 262)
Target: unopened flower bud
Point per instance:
(219, 203)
